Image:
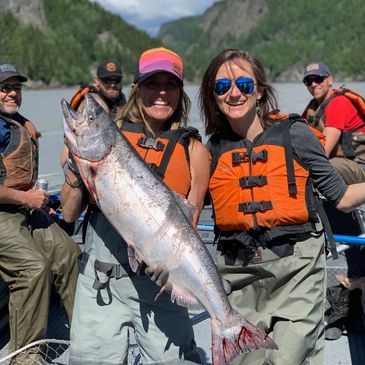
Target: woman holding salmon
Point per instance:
(111, 299)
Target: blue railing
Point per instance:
(351, 240)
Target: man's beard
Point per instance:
(111, 94)
(9, 110)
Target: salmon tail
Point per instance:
(236, 335)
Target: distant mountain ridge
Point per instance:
(60, 42)
(284, 34)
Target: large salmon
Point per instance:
(156, 224)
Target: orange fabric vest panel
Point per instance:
(178, 177)
(227, 193)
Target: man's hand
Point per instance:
(35, 199)
(159, 276)
(351, 283)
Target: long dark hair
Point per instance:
(214, 120)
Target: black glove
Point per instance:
(159, 276)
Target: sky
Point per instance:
(150, 14)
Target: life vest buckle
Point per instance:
(251, 181)
(261, 155)
(254, 206)
(238, 157)
(148, 142)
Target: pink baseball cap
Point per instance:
(157, 60)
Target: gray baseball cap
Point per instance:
(316, 68)
(8, 70)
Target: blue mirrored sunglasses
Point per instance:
(244, 84)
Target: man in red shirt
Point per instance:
(338, 119)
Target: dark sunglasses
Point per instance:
(110, 81)
(244, 84)
(7, 88)
(315, 78)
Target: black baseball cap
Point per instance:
(8, 70)
(108, 69)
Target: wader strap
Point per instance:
(91, 208)
(111, 271)
(116, 271)
(327, 227)
(82, 260)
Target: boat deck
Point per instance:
(348, 350)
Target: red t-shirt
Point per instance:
(340, 113)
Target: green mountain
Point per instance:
(284, 34)
(60, 42)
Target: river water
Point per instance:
(44, 109)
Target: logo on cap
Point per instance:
(6, 67)
(111, 67)
(312, 67)
(177, 69)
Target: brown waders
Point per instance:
(34, 253)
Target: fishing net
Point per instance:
(47, 351)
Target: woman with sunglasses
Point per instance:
(271, 242)
(111, 299)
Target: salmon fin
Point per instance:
(227, 286)
(235, 335)
(134, 263)
(185, 298)
(187, 207)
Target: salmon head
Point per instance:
(91, 134)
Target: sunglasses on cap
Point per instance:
(110, 81)
(314, 78)
(7, 88)
(244, 84)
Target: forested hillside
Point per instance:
(284, 34)
(60, 42)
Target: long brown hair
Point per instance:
(133, 109)
(214, 119)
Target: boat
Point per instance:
(349, 229)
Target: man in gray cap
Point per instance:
(34, 250)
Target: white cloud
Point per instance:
(150, 14)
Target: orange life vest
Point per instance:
(114, 110)
(19, 160)
(319, 134)
(260, 186)
(167, 153)
(79, 95)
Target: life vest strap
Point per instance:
(251, 181)
(289, 156)
(255, 206)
